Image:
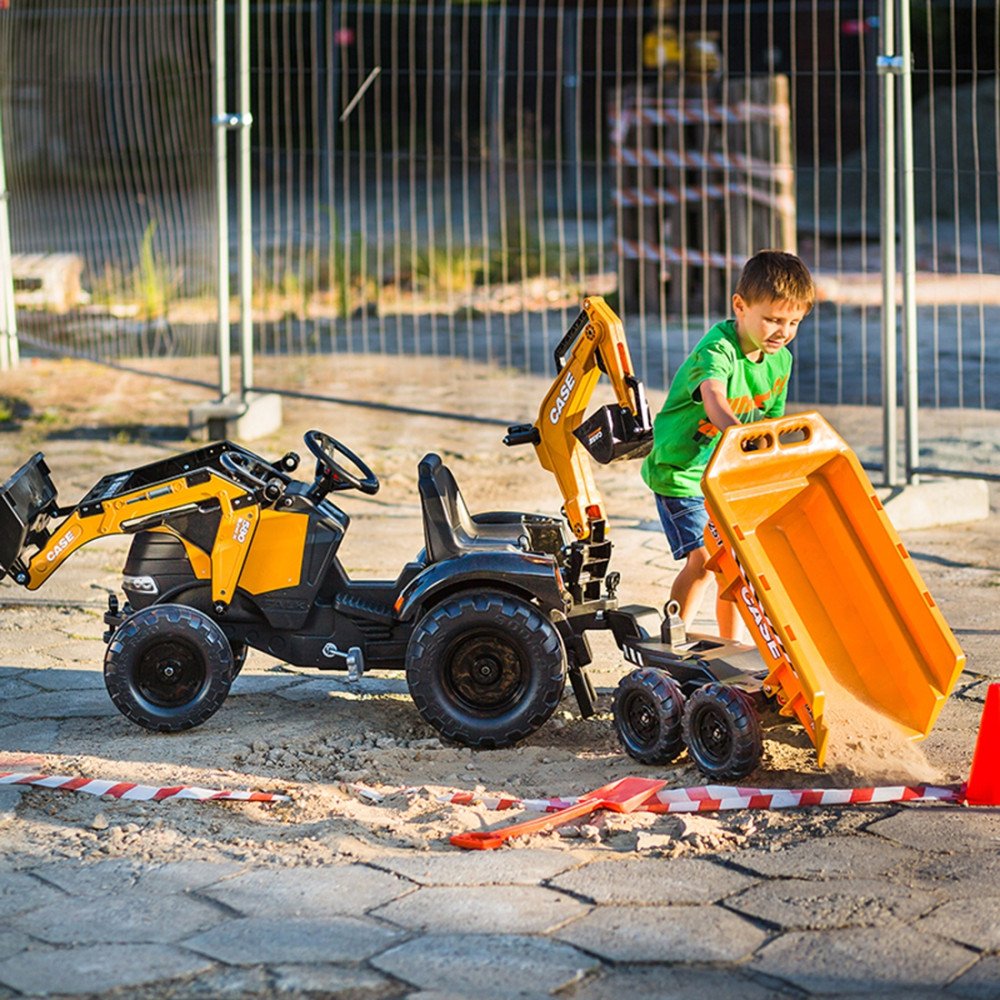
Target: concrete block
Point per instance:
(9, 799)
(933, 502)
(336, 890)
(85, 704)
(664, 934)
(279, 939)
(871, 960)
(645, 880)
(253, 417)
(980, 982)
(329, 981)
(488, 967)
(491, 909)
(11, 942)
(797, 905)
(97, 969)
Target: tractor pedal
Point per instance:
(352, 604)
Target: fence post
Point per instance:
(221, 121)
(907, 226)
(887, 65)
(8, 314)
(245, 219)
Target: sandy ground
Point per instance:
(314, 737)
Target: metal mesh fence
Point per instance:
(497, 161)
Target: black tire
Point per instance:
(722, 732)
(648, 707)
(168, 668)
(485, 670)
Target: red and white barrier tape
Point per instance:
(650, 196)
(694, 113)
(643, 250)
(721, 798)
(131, 792)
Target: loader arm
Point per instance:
(151, 507)
(563, 440)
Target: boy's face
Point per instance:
(767, 325)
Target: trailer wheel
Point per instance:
(722, 732)
(168, 667)
(485, 670)
(647, 708)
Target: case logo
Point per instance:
(61, 546)
(241, 530)
(569, 382)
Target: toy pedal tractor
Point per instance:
(231, 552)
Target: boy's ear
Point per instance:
(739, 303)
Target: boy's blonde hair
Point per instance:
(773, 275)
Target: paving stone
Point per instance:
(664, 934)
(334, 890)
(329, 980)
(488, 909)
(858, 856)
(325, 687)
(956, 875)
(670, 983)
(66, 705)
(492, 967)
(238, 982)
(793, 904)
(10, 796)
(111, 875)
(521, 867)
(289, 940)
(14, 687)
(65, 679)
(83, 651)
(20, 892)
(12, 941)
(973, 921)
(263, 683)
(864, 960)
(96, 969)
(36, 736)
(943, 830)
(651, 880)
(981, 982)
(127, 915)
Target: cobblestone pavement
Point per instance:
(877, 901)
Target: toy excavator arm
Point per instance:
(563, 440)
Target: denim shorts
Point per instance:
(683, 520)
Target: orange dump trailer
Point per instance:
(831, 596)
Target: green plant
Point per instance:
(153, 283)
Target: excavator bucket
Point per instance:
(821, 578)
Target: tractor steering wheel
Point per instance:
(331, 476)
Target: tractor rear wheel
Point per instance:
(168, 667)
(485, 670)
(647, 709)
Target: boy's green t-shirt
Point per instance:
(683, 436)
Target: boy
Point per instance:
(737, 373)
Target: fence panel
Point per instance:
(450, 178)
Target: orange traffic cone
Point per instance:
(983, 788)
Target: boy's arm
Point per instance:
(717, 408)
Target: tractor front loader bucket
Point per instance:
(822, 580)
(27, 501)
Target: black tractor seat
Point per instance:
(450, 530)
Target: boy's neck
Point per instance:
(750, 352)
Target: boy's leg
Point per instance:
(683, 520)
(730, 625)
(690, 583)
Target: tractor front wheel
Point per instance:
(168, 667)
(485, 670)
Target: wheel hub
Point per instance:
(485, 672)
(169, 674)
